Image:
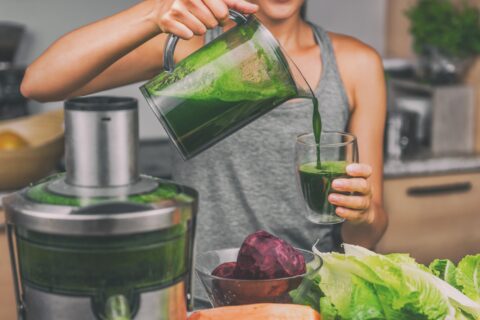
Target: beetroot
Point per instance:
(225, 270)
(264, 256)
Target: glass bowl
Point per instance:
(229, 292)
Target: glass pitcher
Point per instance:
(223, 86)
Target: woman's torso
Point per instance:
(246, 182)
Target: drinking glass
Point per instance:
(317, 165)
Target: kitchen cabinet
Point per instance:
(7, 297)
(433, 216)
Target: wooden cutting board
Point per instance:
(7, 297)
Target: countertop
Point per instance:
(156, 160)
(7, 297)
(431, 166)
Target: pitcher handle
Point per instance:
(172, 40)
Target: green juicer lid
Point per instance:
(161, 191)
(151, 204)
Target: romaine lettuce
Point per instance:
(445, 270)
(468, 277)
(363, 285)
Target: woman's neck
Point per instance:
(289, 32)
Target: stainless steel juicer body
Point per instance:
(167, 301)
(101, 232)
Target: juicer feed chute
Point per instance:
(102, 241)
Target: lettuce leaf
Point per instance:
(364, 285)
(468, 276)
(445, 270)
(328, 310)
(352, 296)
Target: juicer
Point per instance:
(101, 241)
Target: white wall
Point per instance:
(46, 20)
(363, 19)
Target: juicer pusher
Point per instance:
(102, 237)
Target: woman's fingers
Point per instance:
(355, 204)
(351, 215)
(242, 6)
(218, 8)
(353, 185)
(359, 170)
(174, 27)
(351, 202)
(203, 13)
(191, 22)
(196, 15)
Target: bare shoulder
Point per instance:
(358, 63)
(350, 51)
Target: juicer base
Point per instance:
(165, 304)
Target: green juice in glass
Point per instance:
(316, 185)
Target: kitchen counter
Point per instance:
(431, 166)
(7, 297)
(156, 160)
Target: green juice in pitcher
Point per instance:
(215, 101)
(223, 86)
(316, 185)
(205, 117)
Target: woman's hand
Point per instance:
(186, 18)
(355, 208)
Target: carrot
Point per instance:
(263, 311)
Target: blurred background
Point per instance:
(432, 137)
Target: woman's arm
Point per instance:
(366, 218)
(120, 49)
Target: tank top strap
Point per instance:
(325, 43)
(330, 73)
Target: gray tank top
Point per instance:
(247, 182)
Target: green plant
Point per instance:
(454, 30)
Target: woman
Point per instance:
(246, 182)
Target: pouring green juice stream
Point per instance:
(317, 129)
(316, 177)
